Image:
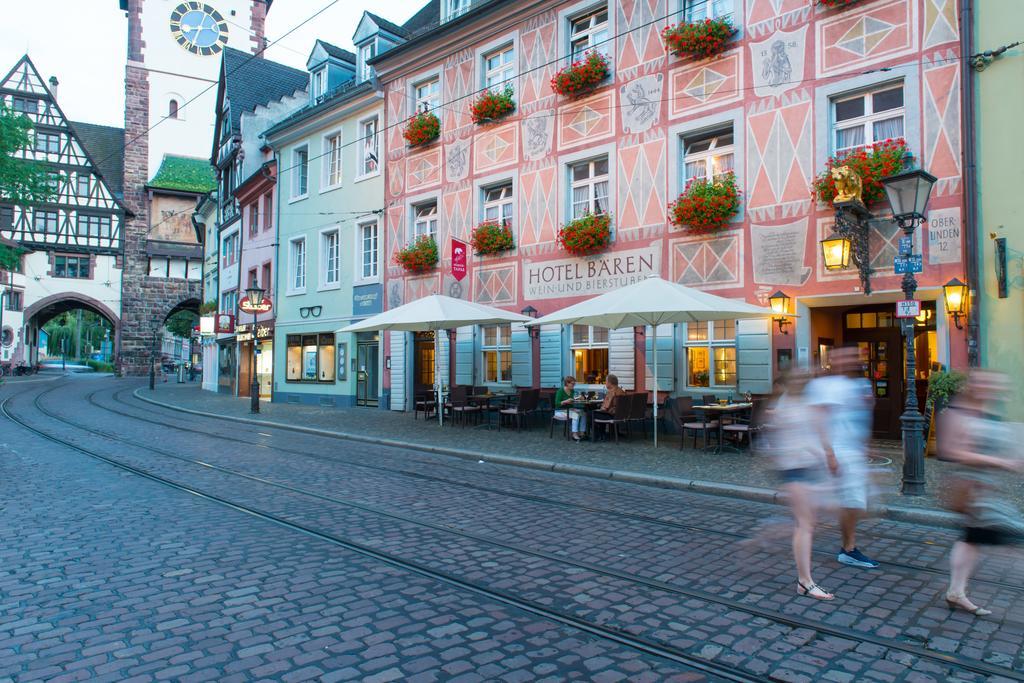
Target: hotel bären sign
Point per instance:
(589, 276)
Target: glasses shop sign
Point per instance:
(591, 275)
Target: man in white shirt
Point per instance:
(844, 402)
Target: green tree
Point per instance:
(181, 323)
(64, 330)
(22, 181)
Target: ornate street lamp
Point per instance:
(779, 302)
(955, 294)
(908, 194)
(254, 293)
(835, 251)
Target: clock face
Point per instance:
(199, 28)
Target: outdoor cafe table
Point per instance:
(721, 411)
(587, 406)
(484, 401)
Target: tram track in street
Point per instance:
(772, 615)
(639, 517)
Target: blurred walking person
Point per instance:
(799, 451)
(983, 448)
(844, 402)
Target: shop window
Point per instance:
(497, 353)
(590, 353)
(310, 358)
(711, 354)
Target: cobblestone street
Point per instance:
(142, 543)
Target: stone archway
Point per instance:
(42, 311)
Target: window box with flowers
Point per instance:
(418, 257)
(871, 163)
(837, 4)
(588, 234)
(582, 76)
(422, 128)
(492, 237)
(698, 39)
(706, 205)
(491, 105)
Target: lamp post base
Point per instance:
(913, 453)
(254, 398)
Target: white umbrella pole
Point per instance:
(654, 352)
(437, 376)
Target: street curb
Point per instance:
(897, 513)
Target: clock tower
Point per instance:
(171, 72)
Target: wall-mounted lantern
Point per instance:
(779, 302)
(955, 294)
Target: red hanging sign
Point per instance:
(459, 259)
(223, 323)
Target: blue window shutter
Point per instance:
(666, 364)
(442, 361)
(522, 357)
(621, 359)
(551, 355)
(464, 355)
(754, 356)
(399, 362)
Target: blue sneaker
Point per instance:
(855, 558)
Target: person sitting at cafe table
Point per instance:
(563, 402)
(611, 384)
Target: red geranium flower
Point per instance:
(587, 234)
(492, 237)
(871, 163)
(706, 206)
(492, 105)
(582, 76)
(697, 39)
(418, 257)
(422, 128)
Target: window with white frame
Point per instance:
(590, 353)
(82, 184)
(300, 172)
(329, 258)
(370, 146)
(589, 187)
(369, 250)
(229, 302)
(366, 53)
(229, 249)
(93, 226)
(589, 32)
(454, 8)
(332, 160)
(711, 354)
(709, 155)
(497, 353)
(425, 223)
(319, 83)
(297, 263)
(499, 68)
(428, 94)
(699, 10)
(498, 204)
(867, 117)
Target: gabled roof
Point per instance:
(337, 52)
(254, 81)
(105, 144)
(428, 17)
(388, 26)
(184, 174)
(347, 91)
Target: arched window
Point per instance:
(172, 109)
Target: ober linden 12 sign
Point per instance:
(908, 308)
(262, 306)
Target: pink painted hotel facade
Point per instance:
(796, 83)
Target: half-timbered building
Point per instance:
(72, 248)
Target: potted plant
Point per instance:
(208, 308)
(418, 257)
(871, 163)
(587, 234)
(582, 76)
(422, 128)
(492, 237)
(837, 4)
(706, 205)
(943, 385)
(698, 39)
(491, 105)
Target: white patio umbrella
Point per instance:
(652, 301)
(432, 314)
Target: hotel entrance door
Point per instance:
(367, 356)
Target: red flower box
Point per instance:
(587, 234)
(422, 128)
(698, 39)
(582, 76)
(871, 163)
(492, 237)
(706, 205)
(491, 106)
(418, 257)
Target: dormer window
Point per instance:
(319, 83)
(366, 53)
(454, 8)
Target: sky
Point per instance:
(83, 43)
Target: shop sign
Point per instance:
(224, 323)
(589, 276)
(459, 257)
(206, 325)
(908, 308)
(252, 308)
(263, 331)
(367, 300)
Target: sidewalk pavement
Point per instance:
(634, 460)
